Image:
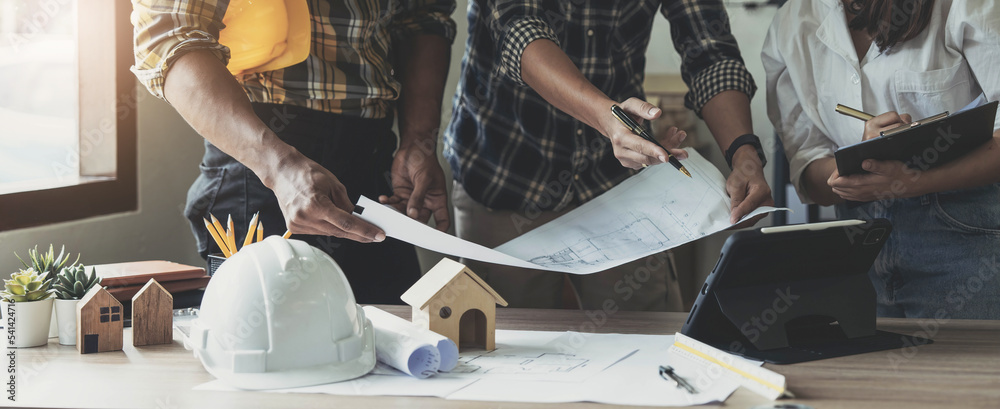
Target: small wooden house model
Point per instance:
(99, 322)
(152, 315)
(453, 301)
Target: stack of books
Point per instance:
(124, 280)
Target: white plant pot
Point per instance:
(30, 321)
(53, 325)
(66, 312)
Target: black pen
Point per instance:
(638, 130)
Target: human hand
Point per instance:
(313, 201)
(886, 179)
(886, 121)
(418, 186)
(747, 187)
(632, 150)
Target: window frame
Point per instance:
(108, 104)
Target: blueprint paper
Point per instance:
(409, 348)
(651, 212)
(541, 356)
(612, 376)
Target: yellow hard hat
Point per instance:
(266, 35)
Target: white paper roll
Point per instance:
(409, 348)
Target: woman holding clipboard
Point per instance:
(904, 59)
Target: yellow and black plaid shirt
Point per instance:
(349, 68)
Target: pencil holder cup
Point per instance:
(214, 261)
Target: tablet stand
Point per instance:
(782, 314)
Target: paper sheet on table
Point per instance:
(409, 348)
(634, 380)
(653, 211)
(612, 376)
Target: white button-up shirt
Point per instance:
(812, 66)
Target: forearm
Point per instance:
(203, 91)
(550, 72)
(423, 62)
(815, 181)
(728, 117)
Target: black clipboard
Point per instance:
(795, 293)
(926, 144)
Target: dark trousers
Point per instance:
(357, 150)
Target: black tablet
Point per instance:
(794, 293)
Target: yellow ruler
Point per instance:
(760, 380)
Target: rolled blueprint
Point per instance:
(409, 348)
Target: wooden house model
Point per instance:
(453, 301)
(152, 315)
(99, 323)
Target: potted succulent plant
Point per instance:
(48, 264)
(27, 306)
(71, 284)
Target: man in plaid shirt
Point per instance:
(300, 144)
(532, 135)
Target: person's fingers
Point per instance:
(679, 153)
(639, 145)
(749, 222)
(888, 120)
(323, 228)
(877, 167)
(834, 178)
(415, 205)
(737, 193)
(642, 109)
(628, 163)
(906, 118)
(672, 138)
(352, 224)
(441, 217)
(395, 202)
(632, 159)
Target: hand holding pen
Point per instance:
(637, 152)
(876, 126)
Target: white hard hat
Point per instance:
(280, 314)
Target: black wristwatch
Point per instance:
(748, 139)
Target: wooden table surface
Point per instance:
(961, 369)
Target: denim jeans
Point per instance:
(942, 259)
(357, 151)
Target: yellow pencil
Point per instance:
(218, 239)
(231, 235)
(260, 231)
(251, 230)
(222, 233)
(288, 233)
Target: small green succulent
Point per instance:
(47, 264)
(26, 285)
(73, 282)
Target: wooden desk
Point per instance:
(961, 369)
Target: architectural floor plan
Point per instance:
(656, 210)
